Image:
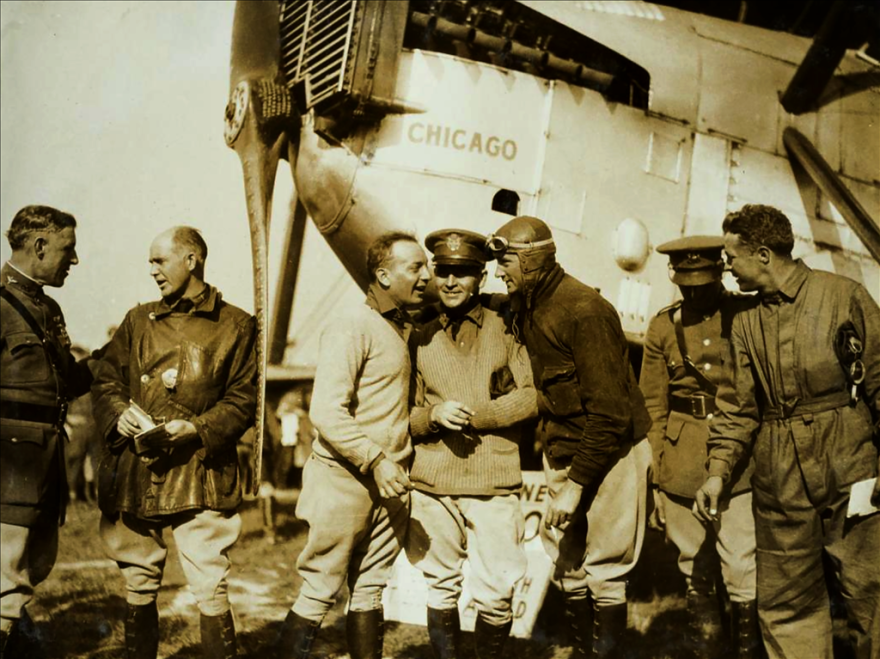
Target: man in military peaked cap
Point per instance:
(473, 389)
(685, 349)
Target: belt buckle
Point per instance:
(698, 407)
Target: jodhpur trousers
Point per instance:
(730, 543)
(354, 535)
(594, 554)
(203, 539)
(488, 530)
(27, 556)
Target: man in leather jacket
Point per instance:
(38, 376)
(592, 426)
(188, 361)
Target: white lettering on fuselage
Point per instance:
(449, 137)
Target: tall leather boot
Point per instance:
(579, 615)
(444, 630)
(7, 639)
(296, 637)
(489, 639)
(745, 631)
(609, 626)
(704, 626)
(365, 633)
(218, 636)
(142, 631)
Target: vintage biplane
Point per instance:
(622, 124)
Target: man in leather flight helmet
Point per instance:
(592, 424)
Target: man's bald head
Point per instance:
(177, 257)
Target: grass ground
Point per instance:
(79, 610)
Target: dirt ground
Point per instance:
(79, 610)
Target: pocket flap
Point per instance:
(673, 427)
(18, 432)
(19, 339)
(557, 373)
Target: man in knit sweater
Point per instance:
(592, 426)
(474, 387)
(355, 494)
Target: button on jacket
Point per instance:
(679, 439)
(588, 396)
(32, 451)
(196, 365)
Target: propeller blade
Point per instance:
(259, 157)
(256, 41)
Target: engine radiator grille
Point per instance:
(317, 45)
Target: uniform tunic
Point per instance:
(811, 445)
(679, 442)
(32, 489)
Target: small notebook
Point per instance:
(860, 499)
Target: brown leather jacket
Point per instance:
(589, 401)
(198, 366)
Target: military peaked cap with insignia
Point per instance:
(458, 246)
(694, 260)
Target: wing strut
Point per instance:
(296, 228)
(802, 150)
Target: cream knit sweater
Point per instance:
(484, 460)
(360, 399)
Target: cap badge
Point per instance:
(453, 242)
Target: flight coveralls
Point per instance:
(813, 443)
(37, 379)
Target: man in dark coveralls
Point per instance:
(38, 376)
(186, 360)
(685, 350)
(592, 423)
(805, 374)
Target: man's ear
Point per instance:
(383, 277)
(483, 279)
(191, 262)
(39, 244)
(764, 254)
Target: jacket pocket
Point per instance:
(30, 363)
(673, 428)
(559, 391)
(26, 454)
(196, 364)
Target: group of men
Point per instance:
(759, 415)
(173, 391)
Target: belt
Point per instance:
(699, 406)
(798, 407)
(48, 414)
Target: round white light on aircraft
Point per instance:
(631, 245)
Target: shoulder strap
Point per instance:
(705, 383)
(28, 317)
